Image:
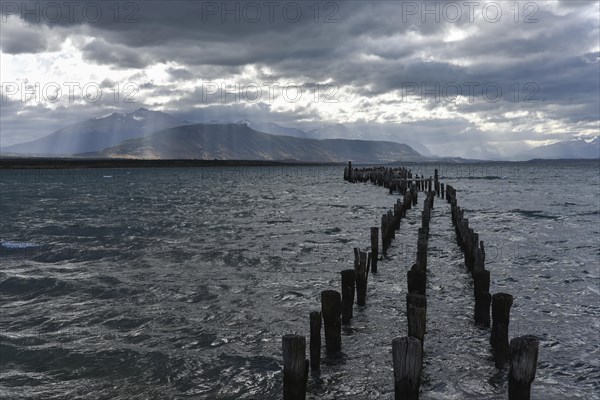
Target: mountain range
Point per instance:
(97, 134)
(152, 134)
(576, 148)
(336, 131)
(239, 141)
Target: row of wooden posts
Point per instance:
(407, 352)
(337, 308)
(522, 352)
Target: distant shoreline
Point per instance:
(66, 163)
(73, 163)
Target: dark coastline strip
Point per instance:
(67, 163)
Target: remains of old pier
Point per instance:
(408, 352)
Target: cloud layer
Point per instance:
(460, 77)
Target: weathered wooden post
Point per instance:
(474, 249)
(481, 287)
(384, 234)
(348, 286)
(416, 300)
(331, 308)
(442, 192)
(481, 254)
(361, 269)
(431, 199)
(374, 248)
(417, 319)
(294, 367)
(454, 210)
(417, 280)
(479, 262)
(523, 363)
(408, 362)
(501, 304)
(390, 218)
(397, 214)
(350, 172)
(414, 195)
(425, 216)
(468, 246)
(422, 243)
(315, 340)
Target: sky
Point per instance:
(468, 78)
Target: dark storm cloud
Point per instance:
(19, 39)
(102, 52)
(370, 48)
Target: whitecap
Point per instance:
(9, 244)
(593, 289)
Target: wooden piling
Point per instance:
(397, 214)
(383, 248)
(361, 269)
(501, 304)
(422, 243)
(315, 340)
(390, 218)
(416, 300)
(408, 362)
(481, 281)
(350, 172)
(474, 249)
(294, 367)
(417, 319)
(331, 308)
(425, 216)
(442, 192)
(417, 280)
(387, 231)
(348, 287)
(481, 288)
(523, 364)
(467, 245)
(414, 195)
(374, 248)
(479, 262)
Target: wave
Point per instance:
(534, 214)
(28, 288)
(486, 178)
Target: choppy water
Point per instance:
(178, 283)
